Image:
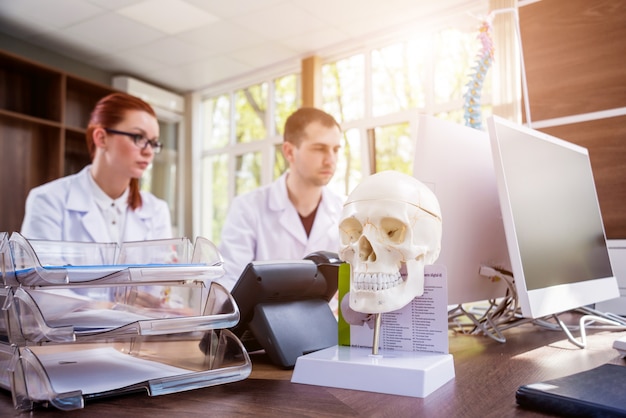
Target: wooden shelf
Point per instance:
(30, 89)
(76, 154)
(80, 98)
(43, 116)
(27, 118)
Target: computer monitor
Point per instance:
(284, 306)
(552, 220)
(455, 162)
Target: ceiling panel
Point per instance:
(189, 45)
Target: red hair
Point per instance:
(108, 112)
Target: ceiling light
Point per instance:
(169, 16)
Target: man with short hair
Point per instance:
(296, 214)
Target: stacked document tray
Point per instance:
(86, 320)
(44, 263)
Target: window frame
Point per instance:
(268, 145)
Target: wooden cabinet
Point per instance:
(43, 116)
(574, 53)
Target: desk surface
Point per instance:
(487, 375)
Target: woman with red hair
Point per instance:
(103, 202)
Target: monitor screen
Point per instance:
(455, 162)
(552, 220)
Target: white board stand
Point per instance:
(415, 374)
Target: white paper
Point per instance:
(97, 319)
(99, 370)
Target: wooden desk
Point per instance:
(487, 375)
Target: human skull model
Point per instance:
(390, 228)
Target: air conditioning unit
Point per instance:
(155, 96)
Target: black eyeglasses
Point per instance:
(140, 140)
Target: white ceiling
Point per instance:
(189, 45)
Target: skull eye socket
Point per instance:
(393, 230)
(350, 231)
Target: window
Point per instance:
(214, 203)
(343, 88)
(251, 113)
(376, 95)
(391, 85)
(400, 77)
(241, 146)
(392, 147)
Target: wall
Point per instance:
(573, 53)
(52, 59)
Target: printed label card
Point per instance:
(420, 326)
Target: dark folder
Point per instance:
(599, 392)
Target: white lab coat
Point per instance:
(264, 225)
(65, 210)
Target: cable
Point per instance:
(505, 314)
(583, 334)
(498, 315)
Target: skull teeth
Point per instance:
(377, 281)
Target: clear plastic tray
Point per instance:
(44, 263)
(63, 315)
(67, 375)
(88, 320)
(6, 259)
